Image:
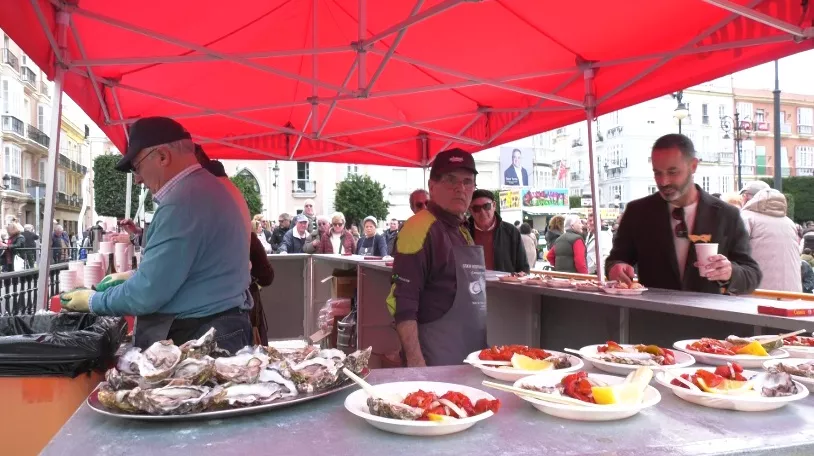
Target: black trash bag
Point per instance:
(62, 345)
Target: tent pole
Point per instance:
(128, 196)
(314, 117)
(43, 295)
(590, 112)
(361, 72)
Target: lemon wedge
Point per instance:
(731, 387)
(523, 362)
(438, 418)
(621, 394)
(752, 348)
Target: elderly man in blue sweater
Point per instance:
(194, 273)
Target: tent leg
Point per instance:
(590, 112)
(128, 196)
(43, 294)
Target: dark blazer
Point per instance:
(379, 246)
(510, 256)
(510, 177)
(645, 239)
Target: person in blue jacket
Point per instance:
(372, 243)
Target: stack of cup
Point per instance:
(79, 268)
(67, 280)
(106, 247)
(122, 256)
(93, 272)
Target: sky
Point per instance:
(795, 75)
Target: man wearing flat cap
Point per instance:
(193, 275)
(438, 297)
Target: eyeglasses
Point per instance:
(452, 181)
(337, 224)
(135, 166)
(308, 205)
(476, 208)
(681, 228)
(280, 221)
(420, 204)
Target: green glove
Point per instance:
(113, 280)
(77, 300)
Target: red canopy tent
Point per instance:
(387, 82)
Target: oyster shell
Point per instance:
(249, 394)
(118, 380)
(115, 400)
(128, 363)
(314, 374)
(774, 384)
(159, 361)
(395, 410)
(196, 371)
(357, 361)
(273, 376)
(198, 348)
(245, 368)
(332, 354)
(171, 400)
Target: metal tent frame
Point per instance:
(314, 128)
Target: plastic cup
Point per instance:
(703, 251)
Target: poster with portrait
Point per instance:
(516, 166)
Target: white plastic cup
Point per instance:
(703, 251)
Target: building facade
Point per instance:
(756, 114)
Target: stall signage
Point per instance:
(552, 198)
(509, 200)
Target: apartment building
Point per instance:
(755, 110)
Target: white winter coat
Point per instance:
(773, 237)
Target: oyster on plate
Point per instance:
(270, 375)
(248, 394)
(357, 361)
(774, 384)
(196, 371)
(171, 400)
(115, 400)
(159, 361)
(118, 380)
(244, 368)
(800, 370)
(394, 410)
(314, 374)
(198, 348)
(128, 363)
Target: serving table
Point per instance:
(671, 428)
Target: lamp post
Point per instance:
(276, 171)
(681, 112)
(737, 126)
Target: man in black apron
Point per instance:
(194, 273)
(439, 290)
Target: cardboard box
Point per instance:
(343, 287)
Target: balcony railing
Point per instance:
(44, 89)
(28, 75)
(576, 176)
(67, 163)
(785, 129)
(36, 135)
(10, 59)
(805, 129)
(12, 124)
(15, 183)
(805, 171)
(303, 187)
(726, 157)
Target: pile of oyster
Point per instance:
(166, 379)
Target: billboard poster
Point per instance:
(516, 166)
(552, 198)
(509, 200)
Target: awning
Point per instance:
(389, 82)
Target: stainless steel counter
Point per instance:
(671, 428)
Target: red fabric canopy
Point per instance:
(470, 74)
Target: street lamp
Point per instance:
(681, 112)
(276, 171)
(74, 199)
(737, 126)
(6, 181)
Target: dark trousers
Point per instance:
(233, 330)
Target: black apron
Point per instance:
(462, 330)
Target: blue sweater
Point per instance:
(196, 259)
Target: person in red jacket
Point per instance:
(338, 239)
(568, 253)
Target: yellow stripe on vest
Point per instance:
(414, 232)
(391, 301)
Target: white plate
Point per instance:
(356, 403)
(575, 412)
(746, 361)
(510, 374)
(799, 351)
(729, 402)
(808, 382)
(624, 291)
(588, 352)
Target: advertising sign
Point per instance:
(516, 166)
(509, 200)
(555, 199)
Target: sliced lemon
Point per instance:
(752, 348)
(523, 362)
(731, 387)
(621, 394)
(438, 418)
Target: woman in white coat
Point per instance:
(773, 237)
